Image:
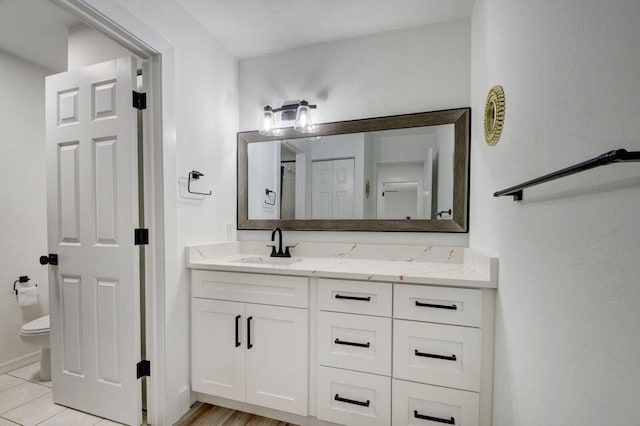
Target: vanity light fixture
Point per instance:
(300, 111)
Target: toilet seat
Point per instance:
(37, 326)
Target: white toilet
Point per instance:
(36, 333)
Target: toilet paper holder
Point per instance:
(22, 279)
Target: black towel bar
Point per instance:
(615, 156)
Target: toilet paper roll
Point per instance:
(27, 296)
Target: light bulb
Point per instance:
(267, 122)
(303, 123)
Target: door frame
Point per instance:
(160, 199)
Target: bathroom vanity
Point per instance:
(344, 333)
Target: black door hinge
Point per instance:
(141, 236)
(143, 368)
(139, 100)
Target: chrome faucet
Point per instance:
(278, 253)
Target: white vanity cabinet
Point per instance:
(354, 352)
(250, 352)
(428, 346)
(327, 340)
(442, 355)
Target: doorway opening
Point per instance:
(61, 41)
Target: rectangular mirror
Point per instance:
(401, 173)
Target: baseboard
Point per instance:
(262, 411)
(23, 361)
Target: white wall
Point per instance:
(445, 135)
(264, 173)
(87, 46)
(568, 324)
(23, 215)
(206, 113)
(419, 69)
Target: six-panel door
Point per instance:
(92, 210)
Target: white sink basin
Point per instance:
(267, 260)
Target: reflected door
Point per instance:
(333, 189)
(92, 207)
(343, 189)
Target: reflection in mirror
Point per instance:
(398, 173)
(409, 173)
(400, 200)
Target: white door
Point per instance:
(343, 191)
(333, 189)
(277, 358)
(218, 348)
(322, 190)
(92, 208)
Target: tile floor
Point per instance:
(25, 400)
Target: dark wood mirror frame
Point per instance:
(461, 118)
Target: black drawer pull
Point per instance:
(363, 299)
(344, 342)
(238, 330)
(448, 358)
(434, 305)
(352, 401)
(249, 345)
(417, 415)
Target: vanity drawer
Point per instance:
(437, 354)
(438, 304)
(354, 399)
(423, 405)
(355, 342)
(357, 297)
(265, 289)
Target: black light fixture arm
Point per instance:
(288, 107)
(615, 156)
(195, 175)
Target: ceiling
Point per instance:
(36, 30)
(255, 27)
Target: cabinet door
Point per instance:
(218, 348)
(277, 358)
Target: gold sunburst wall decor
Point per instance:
(494, 115)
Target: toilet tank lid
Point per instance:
(38, 324)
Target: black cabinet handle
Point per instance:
(434, 305)
(352, 401)
(249, 345)
(344, 342)
(417, 415)
(238, 330)
(363, 299)
(448, 358)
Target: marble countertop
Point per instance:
(449, 266)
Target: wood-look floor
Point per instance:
(210, 415)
